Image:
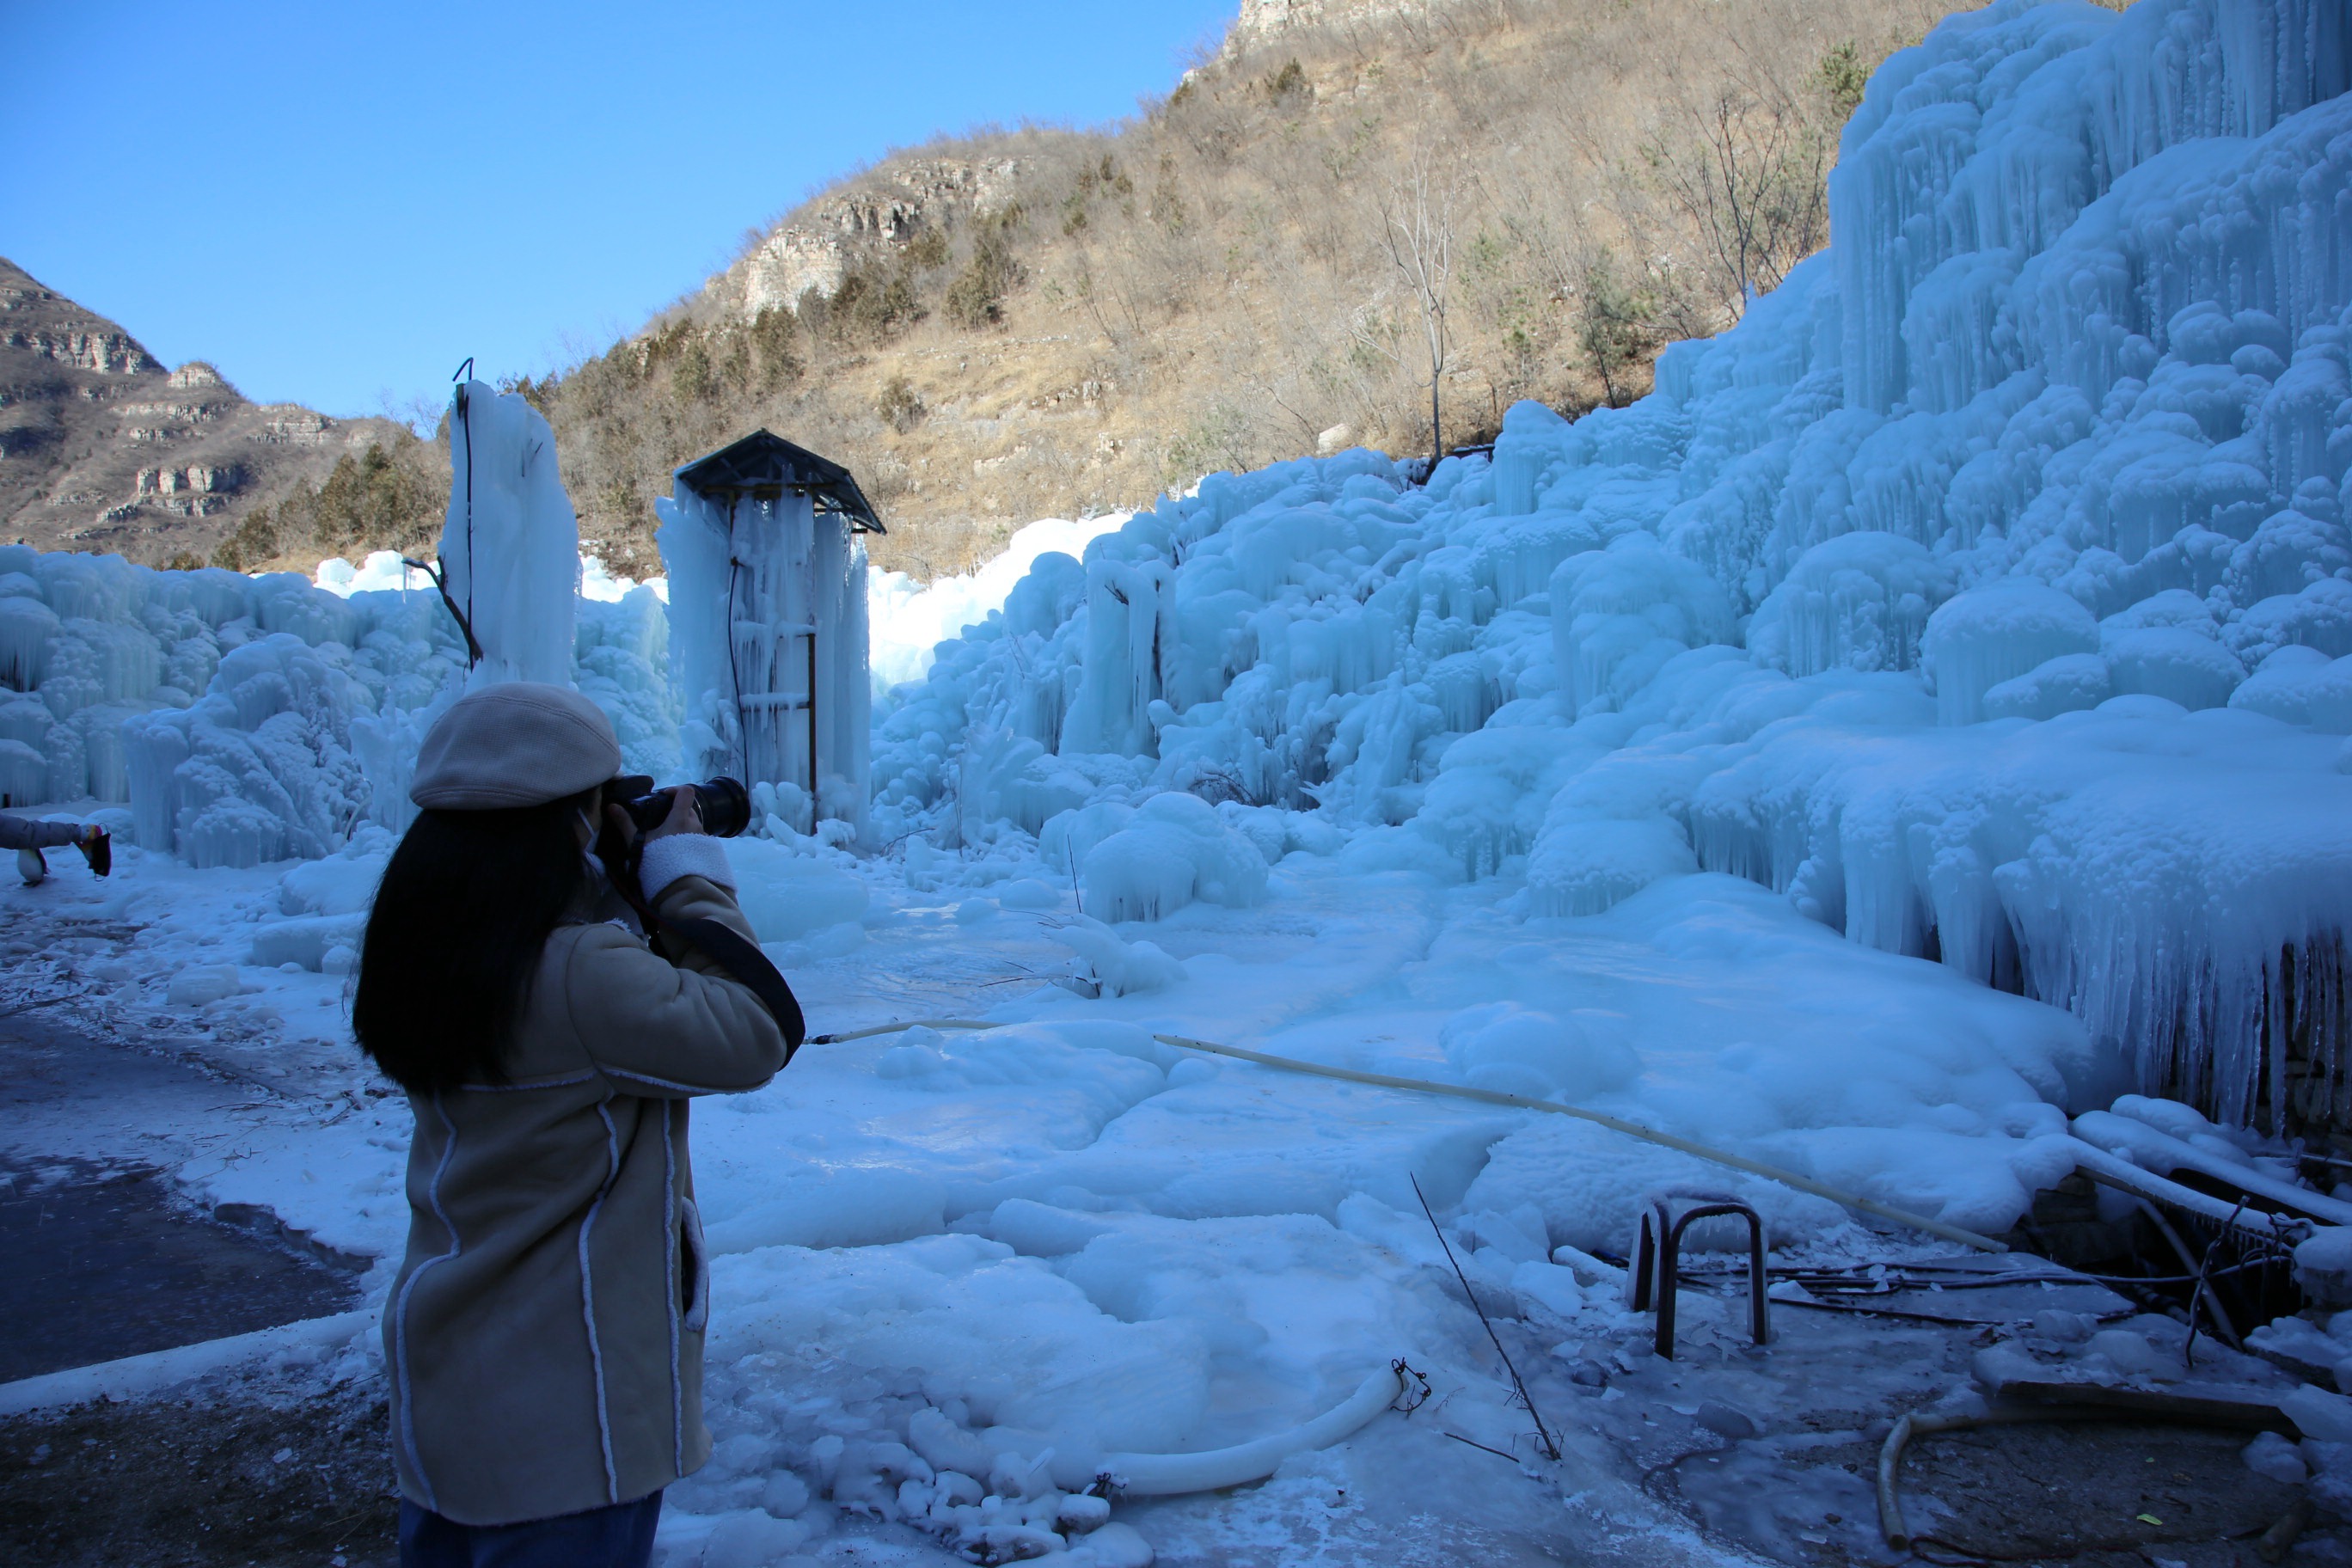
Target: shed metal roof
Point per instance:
(763, 462)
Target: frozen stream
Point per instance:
(106, 1258)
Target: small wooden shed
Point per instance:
(762, 542)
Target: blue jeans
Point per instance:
(621, 1536)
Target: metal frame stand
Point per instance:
(1657, 1260)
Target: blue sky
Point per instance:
(337, 203)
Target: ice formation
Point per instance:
(244, 720)
(1984, 591)
(510, 546)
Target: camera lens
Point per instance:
(726, 806)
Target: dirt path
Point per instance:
(246, 1475)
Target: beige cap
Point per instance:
(519, 743)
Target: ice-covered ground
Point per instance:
(1062, 1236)
(1920, 723)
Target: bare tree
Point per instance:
(1750, 173)
(1417, 231)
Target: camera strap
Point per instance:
(729, 949)
(741, 958)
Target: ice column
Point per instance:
(511, 545)
(1124, 634)
(768, 639)
(695, 551)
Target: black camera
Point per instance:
(725, 804)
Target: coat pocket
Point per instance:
(694, 1268)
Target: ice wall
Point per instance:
(1983, 591)
(269, 751)
(242, 719)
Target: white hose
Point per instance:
(2113, 1171)
(1614, 1123)
(1167, 1475)
(2127, 1136)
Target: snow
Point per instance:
(908, 618)
(384, 569)
(1907, 749)
(290, 1348)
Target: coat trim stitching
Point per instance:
(669, 1251)
(536, 1083)
(400, 1311)
(588, 1301)
(683, 1087)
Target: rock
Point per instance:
(1112, 1546)
(201, 984)
(1725, 1422)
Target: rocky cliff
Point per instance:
(103, 448)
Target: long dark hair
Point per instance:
(464, 910)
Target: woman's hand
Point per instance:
(684, 813)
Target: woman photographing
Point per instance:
(544, 1337)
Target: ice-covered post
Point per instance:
(510, 548)
(510, 567)
(767, 635)
(695, 541)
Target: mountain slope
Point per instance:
(104, 450)
(1014, 324)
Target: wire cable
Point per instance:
(466, 423)
(734, 672)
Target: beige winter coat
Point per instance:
(544, 1337)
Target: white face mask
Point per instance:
(587, 822)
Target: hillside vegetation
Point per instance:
(1354, 210)
(1037, 322)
